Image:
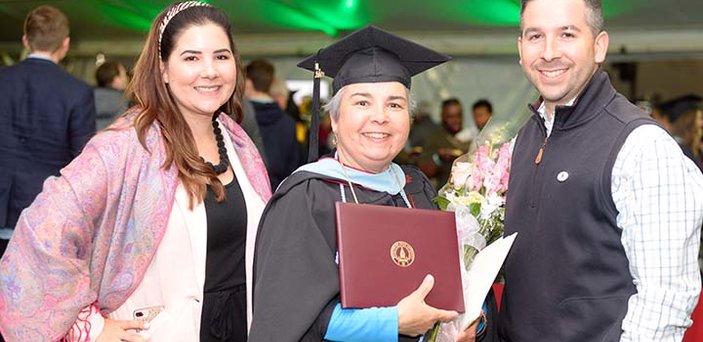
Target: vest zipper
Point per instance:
(536, 181)
(540, 152)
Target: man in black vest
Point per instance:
(607, 207)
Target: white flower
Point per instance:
(460, 173)
(472, 197)
(492, 202)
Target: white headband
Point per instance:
(173, 12)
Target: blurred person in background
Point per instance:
(422, 129)
(284, 97)
(46, 115)
(112, 79)
(250, 125)
(279, 92)
(482, 111)
(277, 128)
(681, 116)
(441, 150)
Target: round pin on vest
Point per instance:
(562, 176)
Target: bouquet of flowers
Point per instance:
(476, 193)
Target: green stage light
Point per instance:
(328, 17)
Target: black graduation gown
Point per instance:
(296, 284)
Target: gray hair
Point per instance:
(332, 107)
(594, 15)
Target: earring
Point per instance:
(334, 139)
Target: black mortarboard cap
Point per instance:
(675, 108)
(367, 55)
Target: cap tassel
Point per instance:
(313, 141)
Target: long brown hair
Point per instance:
(156, 103)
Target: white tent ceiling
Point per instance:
(640, 28)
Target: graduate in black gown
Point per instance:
(296, 284)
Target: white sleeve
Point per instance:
(657, 192)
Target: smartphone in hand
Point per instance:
(148, 313)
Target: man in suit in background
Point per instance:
(46, 116)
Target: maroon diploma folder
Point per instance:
(385, 253)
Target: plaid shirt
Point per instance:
(658, 193)
(659, 196)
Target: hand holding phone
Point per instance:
(148, 314)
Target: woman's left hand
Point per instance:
(469, 335)
(415, 316)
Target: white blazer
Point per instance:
(176, 276)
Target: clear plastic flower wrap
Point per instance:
(476, 193)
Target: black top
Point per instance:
(224, 304)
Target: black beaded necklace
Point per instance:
(221, 149)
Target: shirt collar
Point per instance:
(262, 98)
(549, 119)
(40, 56)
